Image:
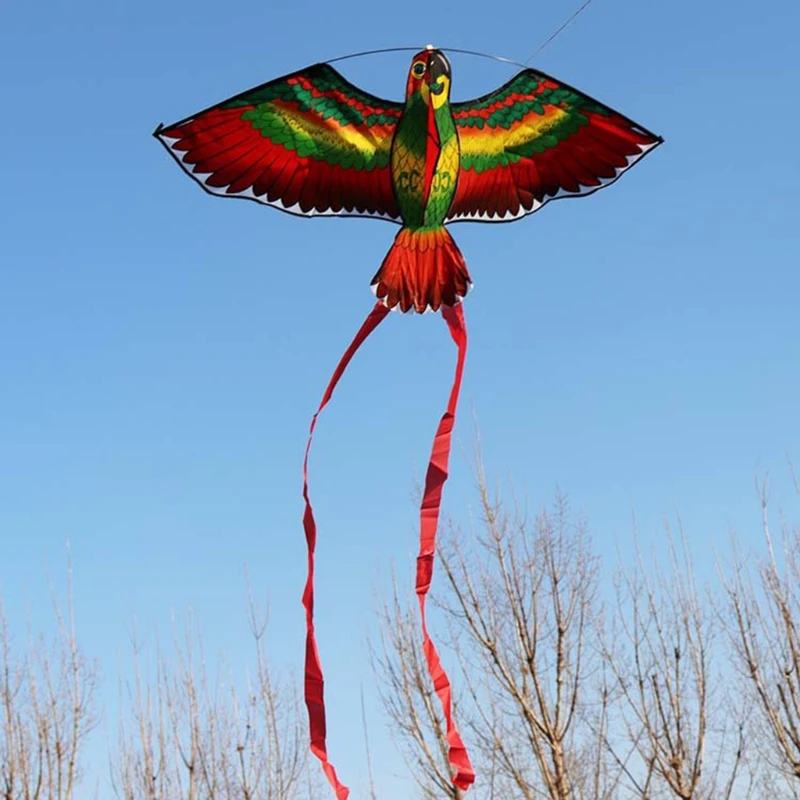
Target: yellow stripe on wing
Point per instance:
(487, 141)
(331, 134)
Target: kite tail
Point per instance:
(313, 686)
(463, 773)
(424, 269)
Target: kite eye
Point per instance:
(418, 69)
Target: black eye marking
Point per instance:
(419, 69)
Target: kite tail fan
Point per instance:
(423, 271)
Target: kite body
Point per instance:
(312, 143)
(424, 269)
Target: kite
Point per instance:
(311, 143)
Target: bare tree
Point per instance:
(567, 698)
(191, 737)
(521, 603)
(763, 624)
(660, 654)
(47, 707)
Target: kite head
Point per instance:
(429, 77)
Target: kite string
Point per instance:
(429, 520)
(313, 685)
(550, 39)
(553, 36)
(547, 42)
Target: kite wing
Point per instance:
(536, 139)
(308, 143)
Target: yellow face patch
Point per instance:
(440, 95)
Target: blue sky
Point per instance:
(162, 351)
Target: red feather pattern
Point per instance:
(536, 139)
(591, 157)
(514, 97)
(345, 99)
(229, 155)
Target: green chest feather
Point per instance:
(424, 174)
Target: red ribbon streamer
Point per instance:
(429, 518)
(314, 683)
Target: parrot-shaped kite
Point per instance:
(312, 143)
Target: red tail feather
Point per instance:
(423, 270)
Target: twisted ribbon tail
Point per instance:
(429, 518)
(314, 682)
